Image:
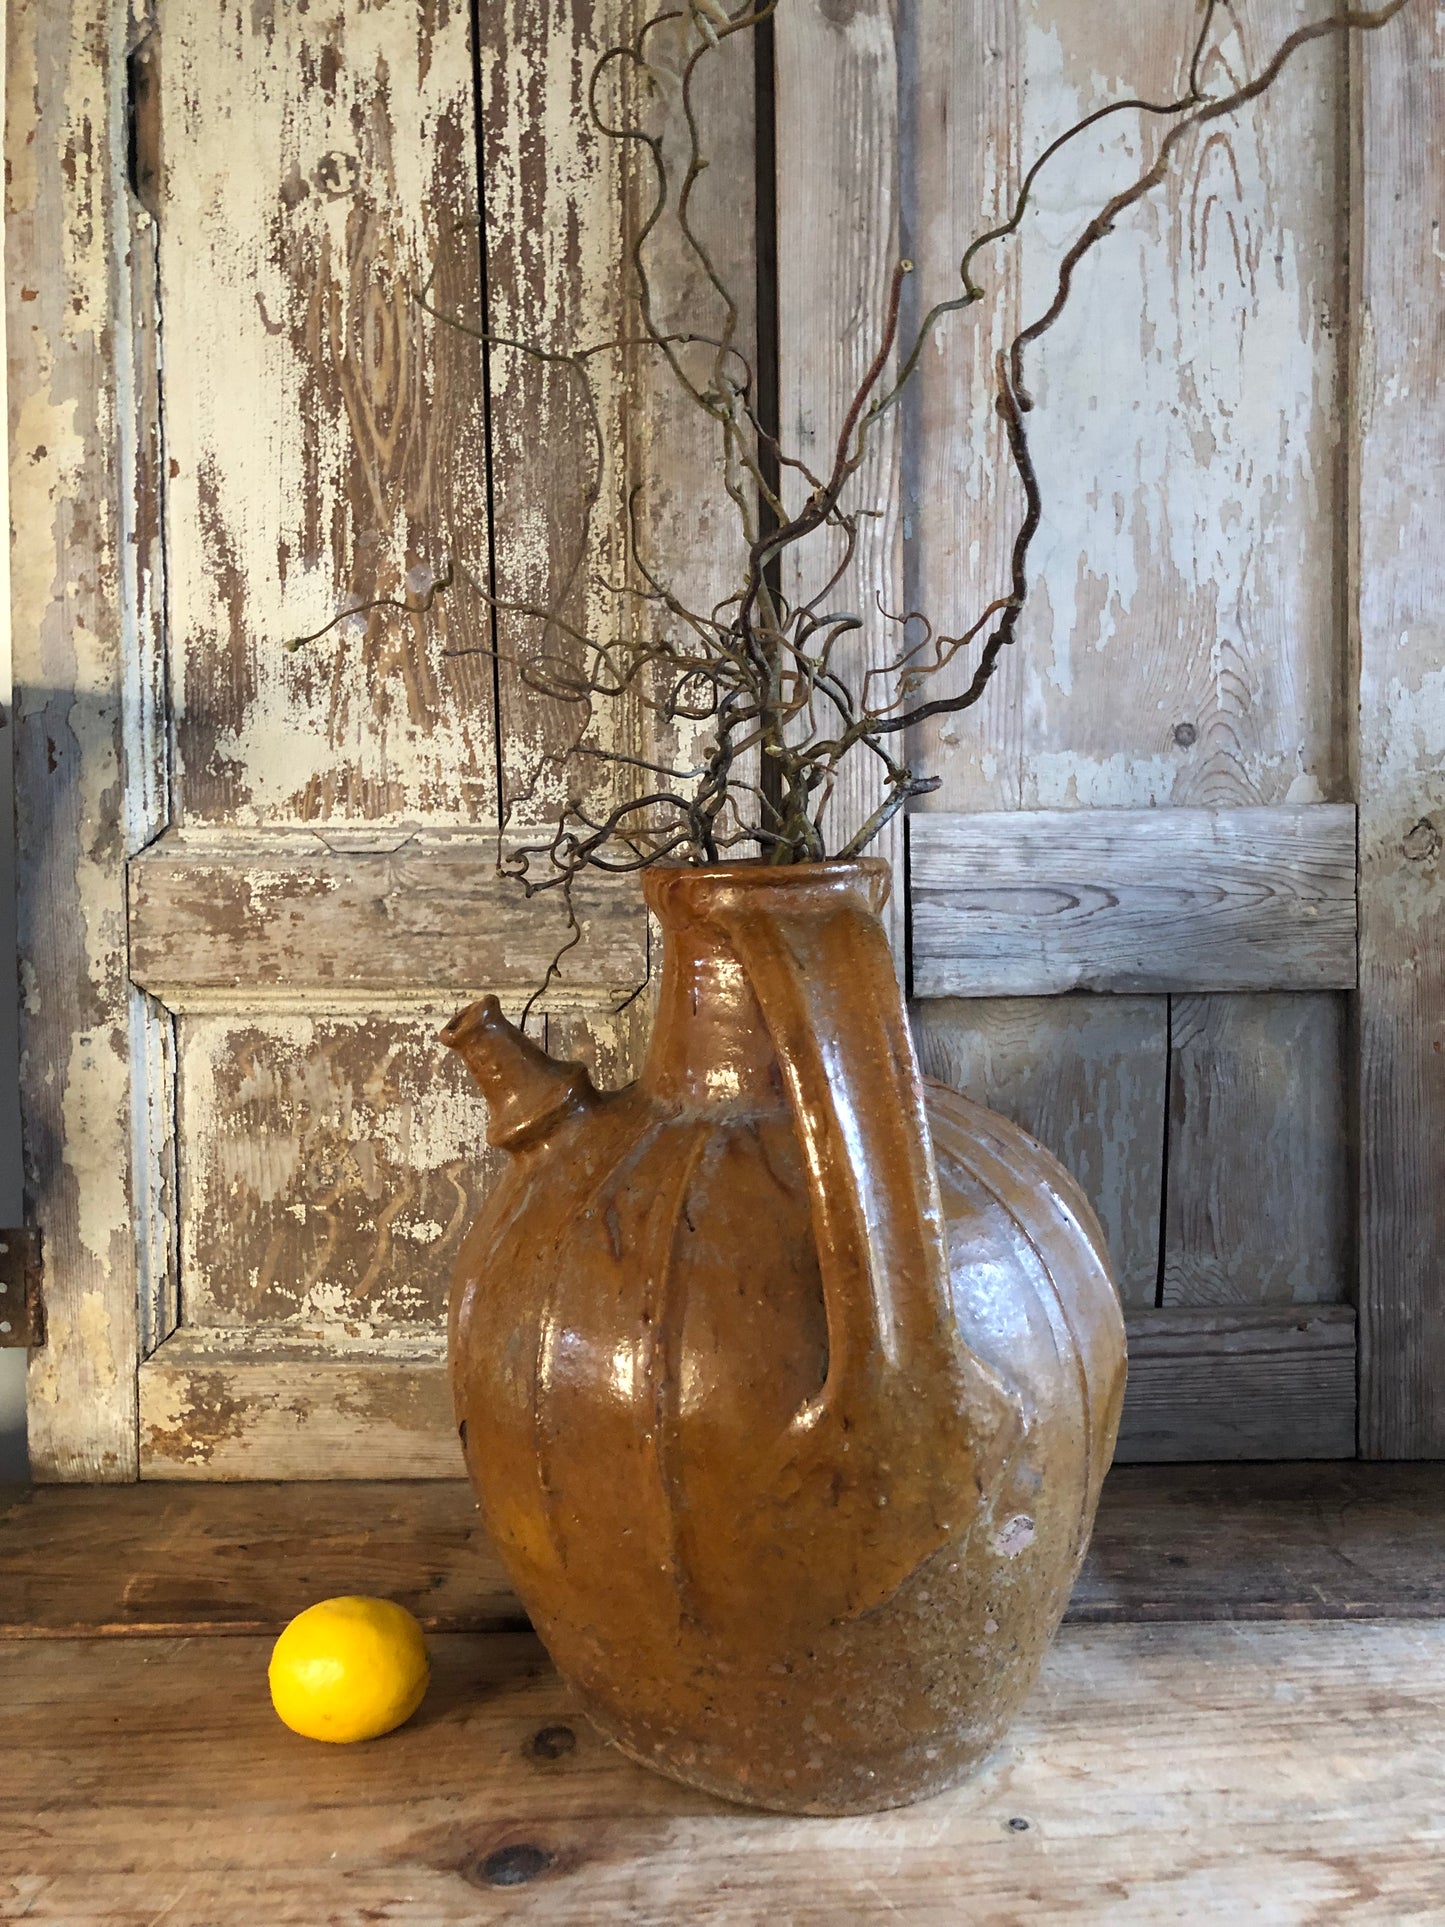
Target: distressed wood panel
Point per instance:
(838, 215)
(611, 1044)
(215, 1406)
(1241, 1384)
(1183, 647)
(325, 436)
(1182, 644)
(1035, 902)
(239, 1404)
(75, 400)
(555, 193)
(289, 917)
(332, 1169)
(1259, 1208)
(1086, 1077)
(1281, 1774)
(691, 534)
(1401, 612)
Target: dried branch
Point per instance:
(756, 673)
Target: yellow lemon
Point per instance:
(349, 1669)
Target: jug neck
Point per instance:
(710, 1044)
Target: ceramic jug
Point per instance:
(787, 1382)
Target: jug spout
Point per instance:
(525, 1089)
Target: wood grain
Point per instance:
(325, 435)
(1217, 1384)
(838, 161)
(1181, 646)
(74, 409)
(1182, 649)
(1259, 1176)
(1279, 1773)
(1261, 1542)
(221, 1405)
(689, 531)
(172, 1559)
(313, 1402)
(1032, 903)
(295, 916)
(1086, 1077)
(1265, 1542)
(1400, 184)
(555, 194)
(333, 1167)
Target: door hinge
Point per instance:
(22, 1299)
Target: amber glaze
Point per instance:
(787, 1383)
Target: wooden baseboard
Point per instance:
(1216, 1384)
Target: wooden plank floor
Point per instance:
(1186, 1767)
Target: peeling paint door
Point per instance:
(252, 1159)
(257, 876)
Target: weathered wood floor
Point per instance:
(1254, 1734)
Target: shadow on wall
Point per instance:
(13, 1463)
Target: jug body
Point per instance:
(786, 1382)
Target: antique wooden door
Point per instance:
(1176, 905)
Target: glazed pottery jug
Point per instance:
(787, 1382)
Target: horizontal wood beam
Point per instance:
(211, 1409)
(1216, 1384)
(289, 916)
(1036, 903)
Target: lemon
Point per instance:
(349, 1669)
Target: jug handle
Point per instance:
(824, 980)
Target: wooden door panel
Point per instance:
(1399, 174)
(1181, 647)
(331, 1170)
(325, 436)
(1095, 1095)
(312, 914)
(237, 1126)
(1259, 1209)
(1151, 796)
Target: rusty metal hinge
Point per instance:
(22, 1301)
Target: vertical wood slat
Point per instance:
(325, 434)
(553, 189)
(1258, 1211)
(67, 283)
(1400, 457)
(1179, 648)
(1092, 1092)
(838, 211)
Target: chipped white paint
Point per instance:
(556, 195)
(312, 1147)
(319, 166)
(1185, 435)
(67, 280)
